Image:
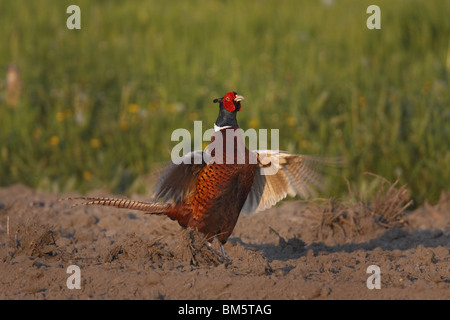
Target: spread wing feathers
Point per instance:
(281, 174)
(178, 180)
(148, 207)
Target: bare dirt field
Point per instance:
(298, 250)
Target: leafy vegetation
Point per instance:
(96, 107)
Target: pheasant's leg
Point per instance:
(223, 251)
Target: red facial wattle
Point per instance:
(228, 101)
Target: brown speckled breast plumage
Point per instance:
(220, 192)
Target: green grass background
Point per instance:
(98, 105)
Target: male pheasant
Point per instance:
(209, 189)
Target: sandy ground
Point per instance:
(297, 250)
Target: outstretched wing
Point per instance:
(178, 180)
(281, 174)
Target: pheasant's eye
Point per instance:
(227, 99)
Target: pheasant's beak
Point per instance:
(238, 98)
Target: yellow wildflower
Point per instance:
(95, 143)
(133, 108)
(60, 116)
(253, 123)
(87, 175)
(291, 121)
(54, 141)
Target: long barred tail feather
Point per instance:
(147, 207)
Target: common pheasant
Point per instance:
(210, 188)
